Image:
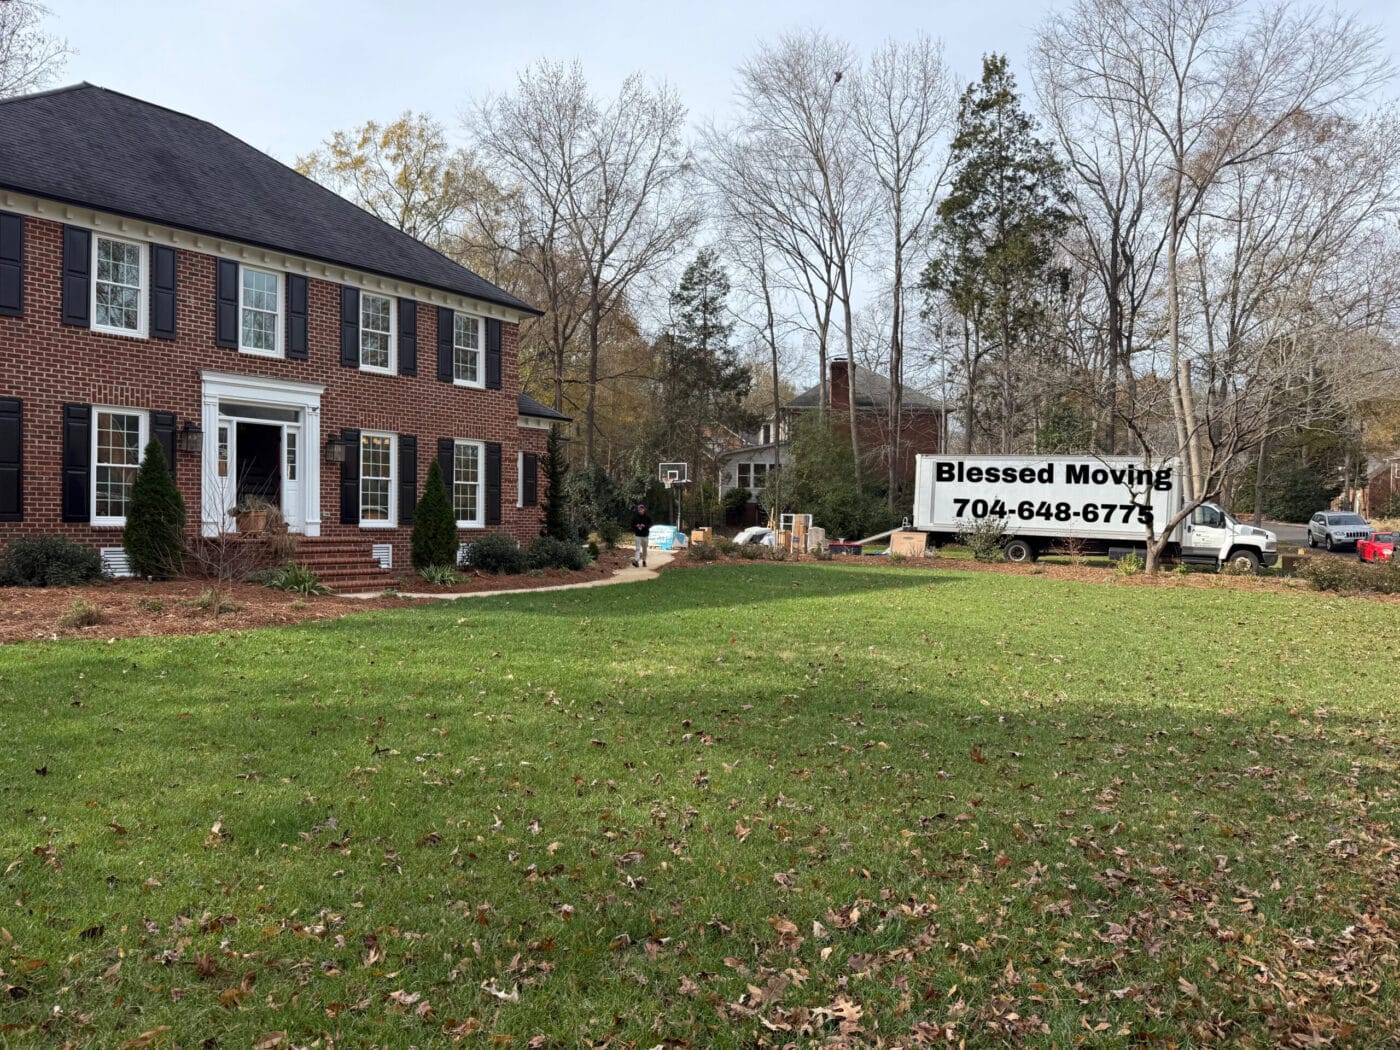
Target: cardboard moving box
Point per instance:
(909, 544)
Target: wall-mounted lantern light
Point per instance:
(191, 437)
(335, 449)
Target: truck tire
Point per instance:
(1019, 551)
(1328, 543)
(1312, 540)
(1244, 559)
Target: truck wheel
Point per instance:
(1019, 551)
(1328, 543)
(1312, 540)
(1245, 560)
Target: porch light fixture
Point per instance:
(335, 449)
(191, 437)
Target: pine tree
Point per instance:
(155, 520)
(556, 510)
(996, 234)
(703, 381)
(434, 524)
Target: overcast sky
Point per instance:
(282, 74)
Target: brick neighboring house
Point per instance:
(921, 428)
(160, 278)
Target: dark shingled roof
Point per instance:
(528, 406)
(90, 146)
(872, 392)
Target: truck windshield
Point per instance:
(1347, 519)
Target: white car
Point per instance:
(1336, 528)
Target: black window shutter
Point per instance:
(163, 430)
(445, 317)
(77, 273)
(447, 455)
(350, 330)
(11, 265)
(77, 456)
(296, 317)
(408, 337)
(163, 293)
(493, 483)
(408, 478)
(531, 485)
(11, 459)
(350, 478)
(493, 354)
(226, 303)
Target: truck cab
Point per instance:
(1212, 536)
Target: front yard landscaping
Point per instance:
(743, 805)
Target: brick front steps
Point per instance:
(344, 565)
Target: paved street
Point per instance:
(1292, 536)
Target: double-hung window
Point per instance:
(259, 299)
(466, 350)
(119, 286)
(753, 476)
(118, 436)
(468, 482)
(377, 489)
(376, 333)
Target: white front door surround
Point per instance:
(301, 498)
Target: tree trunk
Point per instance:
(1115, 344)
(1259, 477)
(896, 406)
(590, 413)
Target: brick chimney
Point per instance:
(837, 390)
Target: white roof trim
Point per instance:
(224, 248)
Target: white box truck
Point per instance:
(1097, 505)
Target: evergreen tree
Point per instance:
(996, 233)
(154, 537)
(434, 523)
(556, 469)
(702, 381)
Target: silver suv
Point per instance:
(1334, 529)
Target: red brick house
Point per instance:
(748, 462)
(160, 278)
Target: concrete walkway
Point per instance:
(627, 574)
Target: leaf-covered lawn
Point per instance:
(739, 806)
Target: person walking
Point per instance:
(641, 529)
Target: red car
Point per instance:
(1380, 547)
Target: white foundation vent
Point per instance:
(115, 561)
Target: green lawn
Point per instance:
(744, 805)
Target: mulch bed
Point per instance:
(132, 608)
(608, 563)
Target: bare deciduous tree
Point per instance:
(904, 107)
(797, 125)
(30, 56)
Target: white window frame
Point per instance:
(393, 334)
(480, 382)
(279, 322)
(480, 521)
(143, 437)
(393, 519)
(520, 479)
(143, 293)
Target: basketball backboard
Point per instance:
(673, 473)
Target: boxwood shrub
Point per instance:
(48, 561)
(495, 554)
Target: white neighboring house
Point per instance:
(746, 464)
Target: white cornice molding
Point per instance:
(221, 247)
